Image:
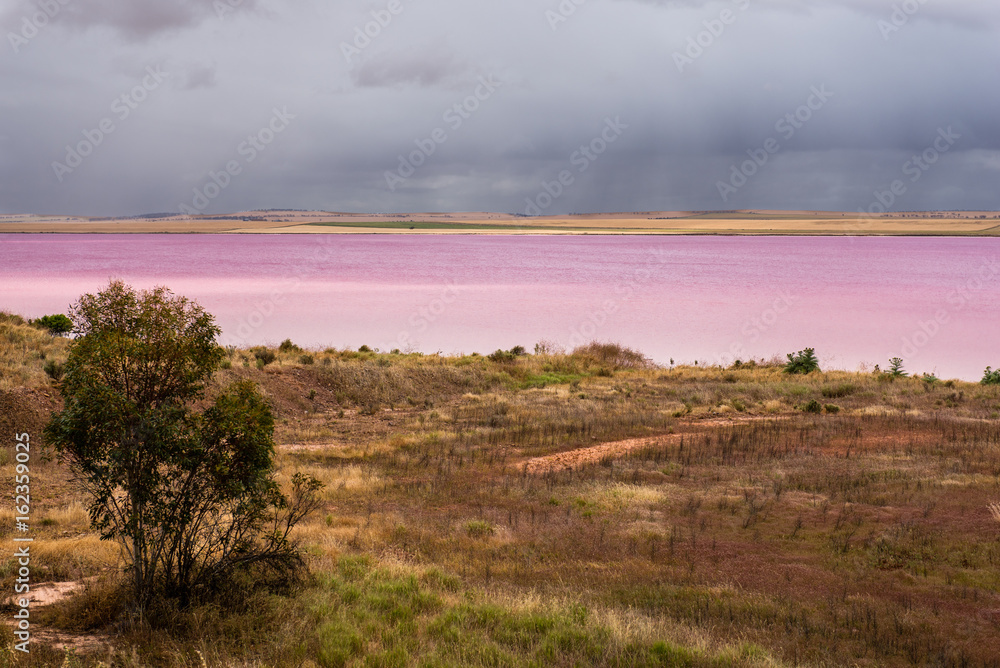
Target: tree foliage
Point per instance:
(191, 497)
(991, 377)
(57, 324)
(803, 362)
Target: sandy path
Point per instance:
(572, 459)
(46, 594)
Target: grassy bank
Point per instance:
(571, 509)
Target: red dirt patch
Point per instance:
(571, 459)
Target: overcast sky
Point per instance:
(111, 107)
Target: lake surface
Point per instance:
(935, 302)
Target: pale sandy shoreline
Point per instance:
(763, 223)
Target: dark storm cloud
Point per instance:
(133, 20)
(361, 106)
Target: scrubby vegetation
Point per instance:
(56, 325)
(803, 362)
(583, 508)
(189, 497)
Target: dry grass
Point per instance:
(24, 350)
(740, 530)
(71, 516)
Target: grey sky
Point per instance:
(267, 89)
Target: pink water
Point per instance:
(933, 301)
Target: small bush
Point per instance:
(11, 319)
(896, 368)
(813, 407)
(479, 529)
(364, 349)
(57, 325)
(832, 409)
(803, 362)
(502, 357)
(612, 355)
(288, 347)
(264, 356)
(306, 359)
(991, 377)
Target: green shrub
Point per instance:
(813, 407)
(264, 356)
(364, 349)
(803, 362)
(306, 359)
(131, 429)
(502, 356)
(896, 368)
(832, 409)
(479, 529)
(991, 377)
(57, 325)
